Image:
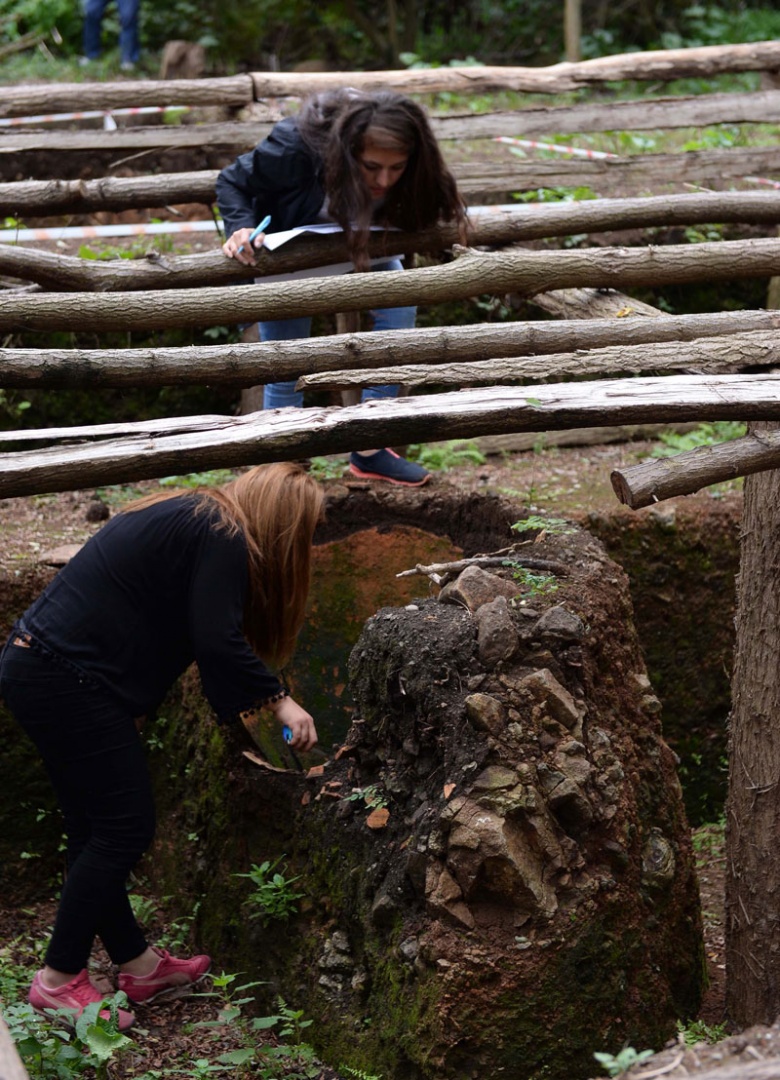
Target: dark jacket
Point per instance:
(153, 591)
(281, 177)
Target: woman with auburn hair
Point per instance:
(360, 160)
(218, 577)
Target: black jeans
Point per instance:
(94, 757)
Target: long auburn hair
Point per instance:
(276, 508)
(336, 124)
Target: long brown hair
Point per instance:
(336, 124)
(276, 508)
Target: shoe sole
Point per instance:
(387, 479)
(171, 993)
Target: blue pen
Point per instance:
(287, 735)
(256, 231)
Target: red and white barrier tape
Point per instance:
(92, 114)
(575, 150)
(89, 232)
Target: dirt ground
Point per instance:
(565, 481)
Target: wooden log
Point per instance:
(221, 442)
(713, 355)
(524, 272)
(683, 474)
(714, 168)
(651, 66)
(247, 364)
(236, 364)
(488, 228)
(30, 99)
(28, 198)
(595, 304)
(647, 114)
(234, 91)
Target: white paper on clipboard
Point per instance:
(273, 241)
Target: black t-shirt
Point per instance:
(153, 591)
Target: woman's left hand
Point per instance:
(288, 712)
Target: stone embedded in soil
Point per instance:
(475, 587)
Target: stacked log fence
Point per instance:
(684, 368)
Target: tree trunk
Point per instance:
(572, 31)
(753, 808)
(205, 442)
(475, 273)
(27, 99)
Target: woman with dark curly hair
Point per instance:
(359, 160)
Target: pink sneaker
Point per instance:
(73, 996)
(167, 975)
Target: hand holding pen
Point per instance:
(240, 244)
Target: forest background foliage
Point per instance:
(375, 34)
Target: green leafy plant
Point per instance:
(370, 795)
(327, 468)
(291, 1056)
(699, 1032)
(440, 457)
(533, 584)
(617, 1064)
(273, 893)
(706, 434)
(359, 1074)
(52, 1049)
(211, 478)
(536, 523)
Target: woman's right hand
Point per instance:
(288, 712)
(240, 238)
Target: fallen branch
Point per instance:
(440, 573)
(665, 478)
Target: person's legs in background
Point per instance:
(283, 395)
(93, 20)
(129, 45)
(385, 464)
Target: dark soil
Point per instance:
(567, 482)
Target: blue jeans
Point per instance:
(129, 47)
(95, 760)
(283, 394)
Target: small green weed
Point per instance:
(327, 468)
(291, 1057)
(359, 1074)
(441, 457)
(533, 584)
(551, 525)
(706, 434)
(699, 1032)
(370, 795)
(49, 1049)
(273, 893)
(211, 478)
(617, 1064)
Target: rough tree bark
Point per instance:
(488, 227)
(652, 481)
(237, 90)
(245, 364)
(524, 272)
(708, 355)
(753, 807)
(163, 448)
